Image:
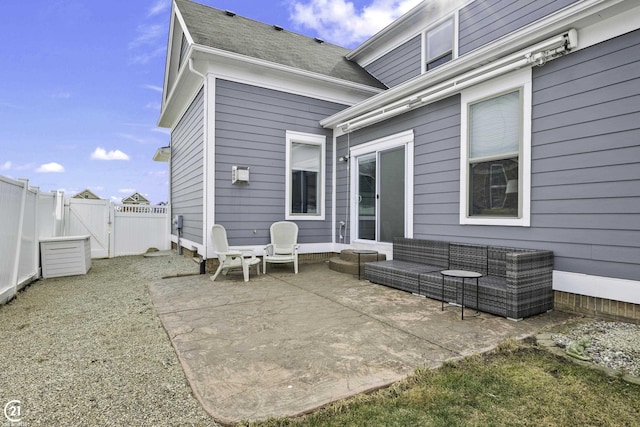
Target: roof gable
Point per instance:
(135, 198)
(86, 194)
(216, 29)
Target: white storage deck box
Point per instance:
(65, 256)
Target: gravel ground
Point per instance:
(614, 345)
(90, 350)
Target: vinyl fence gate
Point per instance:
(118, 230)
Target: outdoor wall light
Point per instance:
(239, 174)
(343, 158)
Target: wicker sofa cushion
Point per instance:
(464, 256)
(429, 252)
(398, 274)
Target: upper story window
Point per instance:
(305, 176)
(439, 44)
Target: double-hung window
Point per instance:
(305, 175)
(495, 155)
(439, 44)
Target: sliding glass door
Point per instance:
(381, 195)
(391, 190)
(367, 190)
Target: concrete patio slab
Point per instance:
(285, 344)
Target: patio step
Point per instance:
(347, 262)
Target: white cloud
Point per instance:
(11, 106)
(138, 139)
(154, 88)
(339, 22)
(148, 34)
(158, 174)
(61, 95)
(102, 154)
(52, 167)
(159, 7)
(145, 57)
(152, 106)
(5, 166)
(127, 190)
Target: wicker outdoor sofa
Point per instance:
(516, 283)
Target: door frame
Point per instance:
(382, 144)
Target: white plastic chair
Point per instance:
(284, 245)
(230, 258)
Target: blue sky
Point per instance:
(80, 83)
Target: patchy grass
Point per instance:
(518, 384)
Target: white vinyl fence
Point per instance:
(137, 228)
(89, 218)
(27, 215)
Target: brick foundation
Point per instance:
(599, 307)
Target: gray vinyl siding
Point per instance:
(586, 170)
(187, 143)
(399, 65)
(482, 22)
(436, 129)
(251, 124)
(585, 191)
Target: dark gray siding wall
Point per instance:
(585, 195)
(399, 65)
(187, 142)
(481, 22)
(251, 123)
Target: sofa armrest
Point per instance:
(527, 268)
(529, 283)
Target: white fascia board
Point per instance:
(584, 16)
(409, 19)
(607, 27)
(167, 113)
(405, 28)
(396, 34)
(257, 72)
(186, 85)
(165, 83)
(185, 30)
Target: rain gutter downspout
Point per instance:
(205, 220)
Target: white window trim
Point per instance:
(520, 79)
(311, 139)
(392, 141)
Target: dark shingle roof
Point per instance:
(214, 28)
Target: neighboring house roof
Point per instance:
(217, 29)
(136, 198)
(85, 194)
